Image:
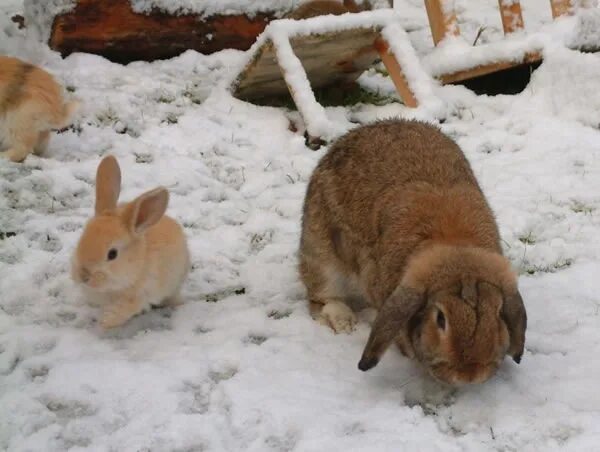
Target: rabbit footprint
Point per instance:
(338, 316)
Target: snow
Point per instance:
(39, 15)
(241, 365)
(211, 7)
(586, 33)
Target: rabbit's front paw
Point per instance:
(112, 318)
(338, 316)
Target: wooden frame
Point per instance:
(443, 24)
(298, 63)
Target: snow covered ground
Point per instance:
(241, 366)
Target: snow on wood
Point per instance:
(206, 8)
(129, 30)
(455, 55)
(112, 29)
(302, 55)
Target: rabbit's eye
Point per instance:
(441, 320)
(112, 254)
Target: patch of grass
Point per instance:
(143, 158)
(7, 234)
(172, 118)
(528, 239)
(194, 94)
(255, 339)
(351, 95)
(107, 117)
(552, 268)
(218, 296)
(346, 95)
(278, 315)
(581, 207)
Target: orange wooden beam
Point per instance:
(561, 8)
(511, 15)
(396, 73)
(442, 19)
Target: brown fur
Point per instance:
(152, 260)
(31, 104)
(393, 212)
(316, 8)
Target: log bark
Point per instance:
(112, 29)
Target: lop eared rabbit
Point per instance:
(131, 256)
(394, 214)
(31, 104)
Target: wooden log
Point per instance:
(561, 8)
(511, 15)
(396, 73)
(442, 19)
(112, 29)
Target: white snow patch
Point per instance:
(40, 14)
(212, 7)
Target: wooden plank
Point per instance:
(396, 73)
(328, 58)
(442, 19)
(478, 71)
(511, 15)
(110, 28)
(561, 8)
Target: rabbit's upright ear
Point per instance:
(146, 210)
(392, 319)
(514, 316)
(108, 184)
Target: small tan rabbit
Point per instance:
(394, 215)
(131, 256)
(31, 104)
(316, 8)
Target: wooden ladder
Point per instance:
(443, 23)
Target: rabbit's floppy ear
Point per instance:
(514, 316)
(146, 210)
(108, 184)
(393, 317)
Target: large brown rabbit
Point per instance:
(394, 215)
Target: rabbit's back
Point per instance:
(368, 171)
(383, 190)
(369, 160)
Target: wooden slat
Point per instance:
(328, 59)
(442, 19)
(561, 8)
(485, 69)
(396, 73)
(511, 15)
